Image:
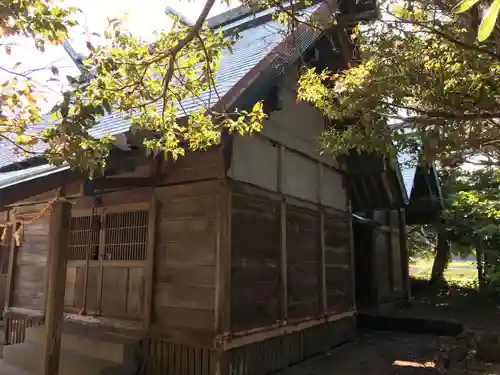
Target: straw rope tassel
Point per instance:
(19, 232)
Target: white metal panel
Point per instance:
(255, 161)
(333, 193)
(297, 125)
(300, 177)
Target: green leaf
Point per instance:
(489, 20)
(464, 5)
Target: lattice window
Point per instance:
(84, 237)
(126, 235)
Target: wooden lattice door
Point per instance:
(108, 256)
(123, 263)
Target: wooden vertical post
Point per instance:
(352, 258)
(12, 260)
(283, 245)
(58, 248)
(284, 264)
(323, 261)
(150, 260)
(100, 256)
(405, 259)
(375, 262)
(223, 260)
(390, 251)
(322, 238)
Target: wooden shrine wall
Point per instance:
(185, 261)
(188, 238)
(397, 255)
(188, 225)
(291, 281)
(339, 288)
(303, 262)
(255, 260)
(388, 266)
(290, 260)
(29, 272)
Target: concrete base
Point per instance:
(80, 355)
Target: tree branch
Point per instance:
(193, 32)
(5, 138)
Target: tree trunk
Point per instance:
(479, 261)
(442, 256)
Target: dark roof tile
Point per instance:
(254, 44)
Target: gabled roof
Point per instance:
(408, 169)
(262, 49)
(423, 188)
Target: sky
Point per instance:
(142, 18)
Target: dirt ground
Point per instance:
(390, 353)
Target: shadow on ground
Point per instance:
(398, 353)
(377, 353)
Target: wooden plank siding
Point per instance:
(111, 272)
(162, 357)
(255, 261)
(303, 257)
(397, 256)
(30, 268)
(388, 267)
(185, 267)
(271, 286)
(277, 353)
(338, 263)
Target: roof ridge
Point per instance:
(253, 14)
(229, 16)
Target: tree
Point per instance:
(474, 219)
(145, 82)
(470, 222)
(489, 19)
(42, 23)
(423, 83)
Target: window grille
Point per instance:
(126, 235)
(84, 237)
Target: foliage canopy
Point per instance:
(144, 82)
(422, 81)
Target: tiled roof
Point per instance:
(254, 44)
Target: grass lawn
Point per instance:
(461, 272)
